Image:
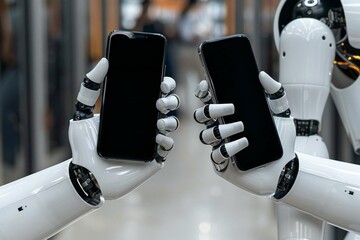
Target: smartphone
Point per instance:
(231, 70)
(128, 113)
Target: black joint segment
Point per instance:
(82, 111)
(88, 83)
(280, 93)
(159, 158)
(216, 132)
(287, 178)
(211, 123)
(223, 151)
(306, 127)
(201, 138)
(84, 184)
(207, 111)
(285, 114)
(204, 97)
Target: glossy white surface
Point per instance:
(297, 225)
(327, 189)
(98, 73)
(116, 178)
(312, 145)
(307, 50)
(39, 205)
(346, 101)
(352, 16)
(292, 223)
(352, 236)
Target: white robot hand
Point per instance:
(115, 178)
(60, 195)
(262, 180)
(324, 188)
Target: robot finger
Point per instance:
(276, 95)
(169, 124)
(167, 85)
(228, 150)
(90, 87)
(167, 104)
(202, 92)
(90, 90)
(217, 133)
(164, 147)
(213, 111)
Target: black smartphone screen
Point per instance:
(128, 112)
(232, 73)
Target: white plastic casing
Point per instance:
(40, 205)
(328, 190)
(297, 225)
(347, 100)
(167, 85)
(87, 96)
(313, 145)
(307, 50)
(116, 177)
(98, 73)
(352, 236)
(352, 17)
(292, 223)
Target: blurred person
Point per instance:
(190, 19)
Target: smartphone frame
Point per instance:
(238, 159)
(121, 139)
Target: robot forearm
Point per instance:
(41, 204)
(326, 189)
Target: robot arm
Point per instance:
(42, 204)
(261, 180)
(326, 189)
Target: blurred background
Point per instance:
(46, 48)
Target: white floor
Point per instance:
(186, 200)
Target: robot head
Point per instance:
(343, 18)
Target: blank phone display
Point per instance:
(131, 89)
(233, 77)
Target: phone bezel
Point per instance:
(137, 35)
(214, 100)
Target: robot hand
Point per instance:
(61, 194)
(264, 179)
(115, 178)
